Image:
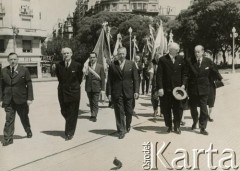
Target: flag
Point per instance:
(160, 43)
(102, 48)
(118, 44)
(135, 48)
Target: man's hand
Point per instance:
(183, 86)
(160, 92)
(110, 98)
(136, 95)
(29, 102)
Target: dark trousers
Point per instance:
(154, 100)
(145, 80)
(11, 109)
(70, 113)
(201, 101)
(93, 102)
(123, 109)
(171, 105)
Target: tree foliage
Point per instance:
(208, 22)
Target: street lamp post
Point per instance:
(130, 33)
(233, 35)
(15, 33)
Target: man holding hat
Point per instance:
(171, 73)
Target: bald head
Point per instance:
(199, 51)
(137, 58)
(173, 49)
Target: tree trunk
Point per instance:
(224, 56)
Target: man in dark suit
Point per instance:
(95, 83)
(16, 94)
(123, 86)
(200, 69)
(69, 74)
(171, 73)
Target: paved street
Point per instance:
(95, 145)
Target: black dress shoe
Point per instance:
(94, 119)
(169, 130)
(29, 134)
(7, 142)
(121, 136)
(68, 137)
(204, 132)
(177, 130)
(128, 129)
(194, 126)
(210, 119)
(182, 123)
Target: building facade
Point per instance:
(20, 32)
(147, 7)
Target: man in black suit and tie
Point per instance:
(123, 86)
(69, 74)
(200, 69)
(171, 73)
(95, 83)
(16, 94)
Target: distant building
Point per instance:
(20, 32)
(64, 28)
(145, 7)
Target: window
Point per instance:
(26, 23)
(27, 46)
(2, 48)
(1, 22)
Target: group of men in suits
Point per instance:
(16, 91)
(190, 74)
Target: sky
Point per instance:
(59, 9)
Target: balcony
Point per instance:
(26, 12)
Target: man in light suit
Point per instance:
(16, 94)
(95, 83)
(123, 86)
(200, 69)
(69, 74)
(171, 73)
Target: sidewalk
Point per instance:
(95, 144)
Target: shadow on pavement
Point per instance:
(55, 133)
(82, 111)
(83, 117)
(187, 117)
(146, 104)
(155, 119)
(162, 130)
(115, 168)
(145, 114)
(16, 137)
(110, 132)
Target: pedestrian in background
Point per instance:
(16, 94)
(69, 74)
(212, 90)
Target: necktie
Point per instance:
(66, 65)
(12, 71)
(173, 59)
(199, 63)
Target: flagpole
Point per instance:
(130, 34)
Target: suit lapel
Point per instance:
(117, 67)
(126, 66)
(16, 72)
(9, 72)
(169, 61)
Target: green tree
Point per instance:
(208, 22)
